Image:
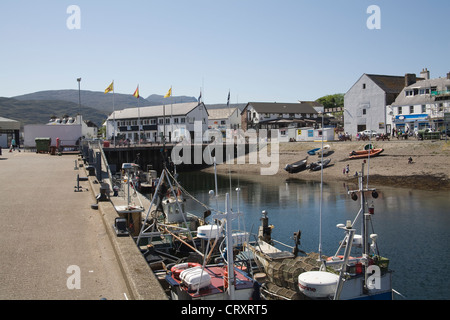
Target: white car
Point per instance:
(372, 133)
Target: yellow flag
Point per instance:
(169, 93)
(136, 93)
(110, 88)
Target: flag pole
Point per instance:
(114, 117)
(171, 115)
(139, 116)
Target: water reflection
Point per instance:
(412, 225)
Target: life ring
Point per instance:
(178, 268)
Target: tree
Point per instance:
(332, 101)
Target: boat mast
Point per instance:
(321, 199)
(228, 216)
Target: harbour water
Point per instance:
(412, 225)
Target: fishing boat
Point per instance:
(313, 151)
(203, 281)
(316, 166)
(148, 180)
(360, 272)
(297, 166)
(365, 153)
(356, 271)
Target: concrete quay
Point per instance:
(54, 246)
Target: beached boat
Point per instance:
(297, 166)
(326, 150)
(313, 151)
(316, 166)
(365, 153)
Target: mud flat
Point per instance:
(430, 169)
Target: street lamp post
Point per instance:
(79, 97)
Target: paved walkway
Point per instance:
(46, 227)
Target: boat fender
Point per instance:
(178, 268)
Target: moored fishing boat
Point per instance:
(195, 281)
(359, 272)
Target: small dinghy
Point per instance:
(315, 166)
(297, 166)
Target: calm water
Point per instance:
(413, 226)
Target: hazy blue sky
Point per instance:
(260, 50)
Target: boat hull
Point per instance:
(318, 165)
(296, 166)
(362, 154)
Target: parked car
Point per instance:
(372, 133)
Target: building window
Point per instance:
(175, 120)
(411, 109)
(363, 111)
(167, 120)
(161, 121)
(424, 108)
(183, 120)
(399, 110)
(364, 85)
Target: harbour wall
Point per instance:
(195, 157)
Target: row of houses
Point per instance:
(182, 121)
(385, 103)
(382, 103)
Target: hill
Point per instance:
(101, 101)
(38, 107)
(40, 111)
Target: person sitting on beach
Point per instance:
(410, 160)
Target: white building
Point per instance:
(175, 122)
(223, 119)
(422, 104)
(365, 103)
(89, 130)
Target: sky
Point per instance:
(256, 50)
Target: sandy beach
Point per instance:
(429, 171)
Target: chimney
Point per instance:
(425, 74)
(410, 78)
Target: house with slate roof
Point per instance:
(267, 115)
(422, 104)
(365, 103)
